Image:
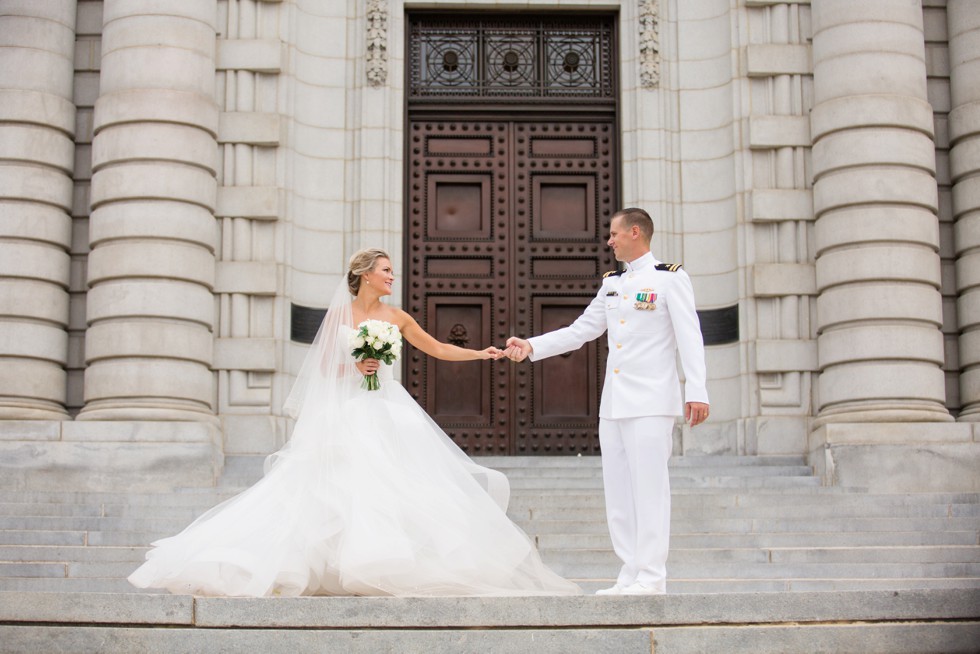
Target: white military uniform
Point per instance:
(649, 314)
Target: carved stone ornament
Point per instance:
(649, 20)
(377, 42)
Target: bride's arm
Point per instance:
(418, 337)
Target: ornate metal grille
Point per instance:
(527, 59)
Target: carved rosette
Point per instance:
(649, 21)
(377, 42)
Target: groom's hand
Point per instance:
(518, 349)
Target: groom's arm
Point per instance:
(587, 327)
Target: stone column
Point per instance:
(963, 21)
(149, 342)
(37, 125)
(875, 200)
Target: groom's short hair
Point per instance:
(634, 216)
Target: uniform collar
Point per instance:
(640, 262)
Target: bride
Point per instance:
(369, 496)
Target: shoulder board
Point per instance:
(669, 267)
(613, 273)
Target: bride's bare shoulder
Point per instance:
(400, 318)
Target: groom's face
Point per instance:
(623, 240)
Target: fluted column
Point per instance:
(37, 124)
(151, 269)
(875, 200)
(963, 20)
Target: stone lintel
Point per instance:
(767, 132)
(257, 55)
(897, 457)
(257, 354)
(249, 277)
(770, 3)
(249, 127)
(785, 356)
(255, 202)
(781, 204)
(782, 279)
(765, 60)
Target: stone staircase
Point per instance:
(762, 559)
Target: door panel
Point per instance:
(507, 222)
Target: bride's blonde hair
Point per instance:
(362, 263)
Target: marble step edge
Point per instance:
(820, 495)
(946, 553)
(434, 612)
(589, 584)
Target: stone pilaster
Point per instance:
(37, 124)
(964, 137)
(875, 200)
(152, 229)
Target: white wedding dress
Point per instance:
(370, 497)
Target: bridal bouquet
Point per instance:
(375, 339)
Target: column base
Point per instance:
(897, 457)
(115, 456)
(890, 413)
(129, 413)
(20, 412)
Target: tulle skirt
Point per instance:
(370, 498)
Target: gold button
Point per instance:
(622, 322)
(616, 371)
(619, 345)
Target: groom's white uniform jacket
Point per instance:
(641, 371)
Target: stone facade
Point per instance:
(174, 176)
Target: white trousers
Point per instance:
(634, 473)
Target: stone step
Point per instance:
(675, 473)
(607, 566)
(590, 524)
(939, 620)
(781, 555)
(773, 555)
(598, 514)
(39, 553)
(242, 471)
(523, 462)
(237, 484)
(600, 540)
(817, 498)
(35, 537)
(758, 525)
(118, 585)
(559, 508)
(675, 483)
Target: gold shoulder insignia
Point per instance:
(613, 273)
(669, 267)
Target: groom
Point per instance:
(648, 311)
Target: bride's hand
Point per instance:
(489, 353)
(368, 366)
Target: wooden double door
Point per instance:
(506, 227)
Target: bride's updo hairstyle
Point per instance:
(362, 263)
